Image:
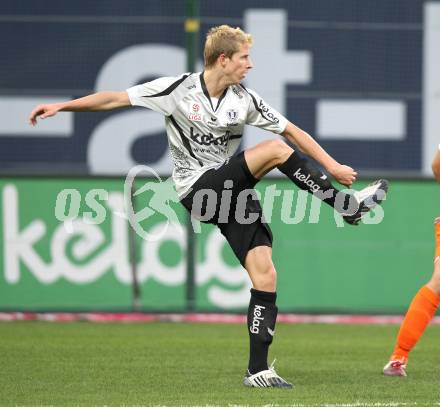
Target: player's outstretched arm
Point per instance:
(436, 166)
(92, 103)
(344, 174)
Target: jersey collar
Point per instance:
(205, 91)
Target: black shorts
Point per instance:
(226, 197)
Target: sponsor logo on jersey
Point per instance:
(257, 319)
(194, 114)
(209, 139)
(268, 114)
(195, 117)
(306, 180)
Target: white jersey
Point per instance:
(202, 136)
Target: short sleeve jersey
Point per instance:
(202, 136)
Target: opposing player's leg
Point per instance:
(306, 175)
(262, 314)
(420, 312)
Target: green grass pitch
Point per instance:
(178, 364)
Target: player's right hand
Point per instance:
(42, 111)
(344, 174)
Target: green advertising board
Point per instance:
(67, 244)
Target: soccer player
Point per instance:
(205, 114)
(422, 308)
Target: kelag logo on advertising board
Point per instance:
(84, 262)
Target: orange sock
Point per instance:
(437, 237)
(420, 312)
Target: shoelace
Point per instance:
(272, 366)
(272, 369)
(276, 377)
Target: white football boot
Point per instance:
(266, 378)
(366, 199)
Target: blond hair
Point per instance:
(223, 40)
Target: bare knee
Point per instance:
(266, 155)
(279, 150)
(265, 279)
(261, 269)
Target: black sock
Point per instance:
(309, 178)
(262, 315)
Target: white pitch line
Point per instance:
(357, 404)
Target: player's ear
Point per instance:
(222, 58)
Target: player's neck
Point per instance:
(216, 82)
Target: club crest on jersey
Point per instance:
(194, 114)
(232, 115)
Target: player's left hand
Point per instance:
(344, 174)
